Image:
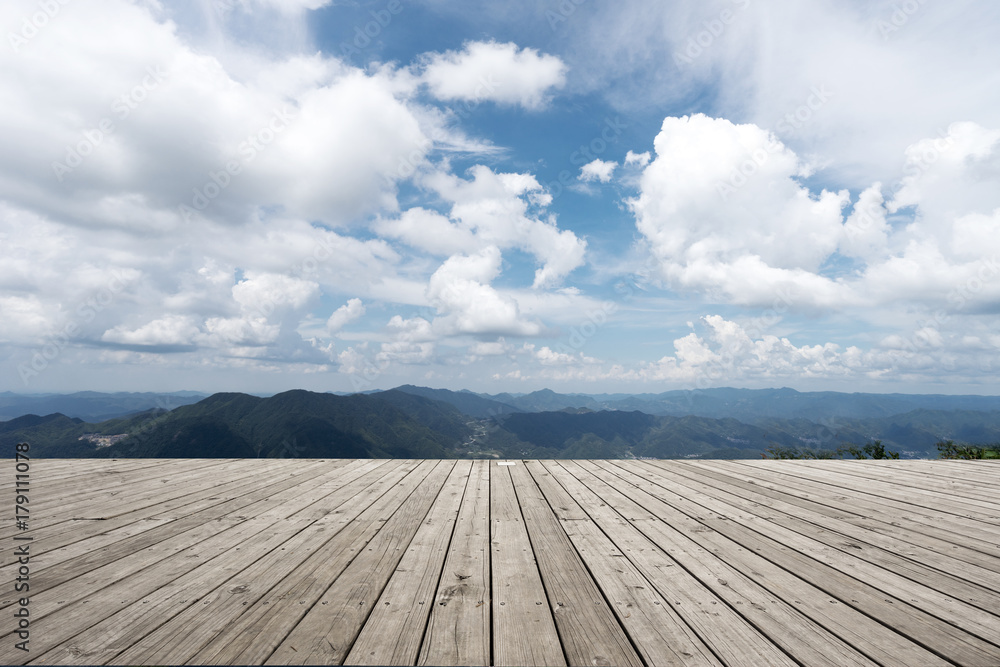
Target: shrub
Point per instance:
(871, 450)
(947, 449)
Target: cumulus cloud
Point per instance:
(428, 230)
(294, 5)
(490, 348)
(724, 212)
(491, 209)
(166, 125)
(170, 330)
(501, 73)
(349, 312)
(757, 62)
(729, 352)
(640, 159)
(461, 292)
(598, 170)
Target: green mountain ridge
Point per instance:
(403, 424)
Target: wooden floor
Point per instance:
(761, 563)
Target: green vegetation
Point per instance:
(779, 452)
(947, 449)
(415, 423)
(295, 424)
(870, 450)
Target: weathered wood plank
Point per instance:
(94, 570)
(458, 631)
(211, 582)
(925, 520)
(395, 628)
(83, 601)
(900, 475)
(98, 482)
(757, 562)
(524, 632)
(769, 539)
(834, 475)
(262, 588)
(926, 559)
(90, 538)
(783, 624)
(172, 501)
(328, 630)
(588, 628)
(729, 636)
(884, 531)
(862, 632)
(937, 592)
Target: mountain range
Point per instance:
(419, 422)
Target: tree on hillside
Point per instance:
(947, 449)
(870, 450)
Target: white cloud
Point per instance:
(246, 331)
(265, 293)
(354, 360)
(866, 232)
(427, 230)
(758, 62)
(404, 352)
(722, 210)
(597, 170)
(500, 73)
(546, 356)
(730, 353)
(640, 159)
(169, 330)
(490, 210)
(344, 315)
(460, 291)
(495, 348)
(166, 125)
(412, 330)
(291, 5)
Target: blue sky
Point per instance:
(258, 195)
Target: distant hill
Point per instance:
(546, 400)
(616, 434)
(293, 424)
(466, 402)
(752, 405)
(92, 406)
(411, 422)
